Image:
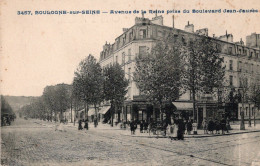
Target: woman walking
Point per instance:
(86, 124)
(205, 126)
(189, 127)
(80, 125)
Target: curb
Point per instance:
(195, 136)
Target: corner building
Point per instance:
(239, 60)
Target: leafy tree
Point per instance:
(159, 74)
(115, 85)
(88, 82)
(5, 107)
(62, 98)
(204, 70)
(57, 99)
(49, 100)
(254, 95)
(244, 89)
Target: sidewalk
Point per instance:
(127, 132)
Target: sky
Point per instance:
(41, 50)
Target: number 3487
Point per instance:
(24, 13)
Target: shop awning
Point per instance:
(91, 111)
(183, 105)
(104, 109)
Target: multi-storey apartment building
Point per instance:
(239, 60)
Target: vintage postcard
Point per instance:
(130, 82)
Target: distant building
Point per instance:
(141, 37)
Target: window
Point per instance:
(129, 54)
(239, 51)
(257, 54)
(252, 68)
(129, 92)
(231, 80)
(123, 58)
(251, 54)
(142, 33)
(229, 50)
(239, 66)
(246, 66)
(159, 33)
(230, 64)
(129, 74)
(142, 50)
(116, 59)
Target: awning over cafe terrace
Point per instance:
(183, 105)
(104, 109)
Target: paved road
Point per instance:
(34, 142)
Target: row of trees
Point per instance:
(55, 99)
(5, 107)
(177, 65)
(174, 66)
(90, 87)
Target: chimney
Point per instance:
(142, 15)
(172, 21)
(213, 35)
(189, 28)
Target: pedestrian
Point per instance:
(141, 126)
(217, 126)
(205, 126)
(223, 125)
(181, 129)
(80, 125)
(135, 126)
(189, 127)
(228, 127)
(145, 126)
(86, 124)
(132, 127)
(172, 132)
(211, 126)
(150, 127)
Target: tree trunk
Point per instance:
(71, 114)
(254, 118)
(242, 122)
(85, 110)
(194, 105)
(249, 119)
(112, 113)
(161, 113)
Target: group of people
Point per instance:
(174, 130)
(210, 125)
(6, 120)
(85, 126)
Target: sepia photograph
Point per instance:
(130, 82)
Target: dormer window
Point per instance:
(142, 33)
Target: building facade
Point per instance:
(240, 60)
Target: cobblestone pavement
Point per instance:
(34, 142)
